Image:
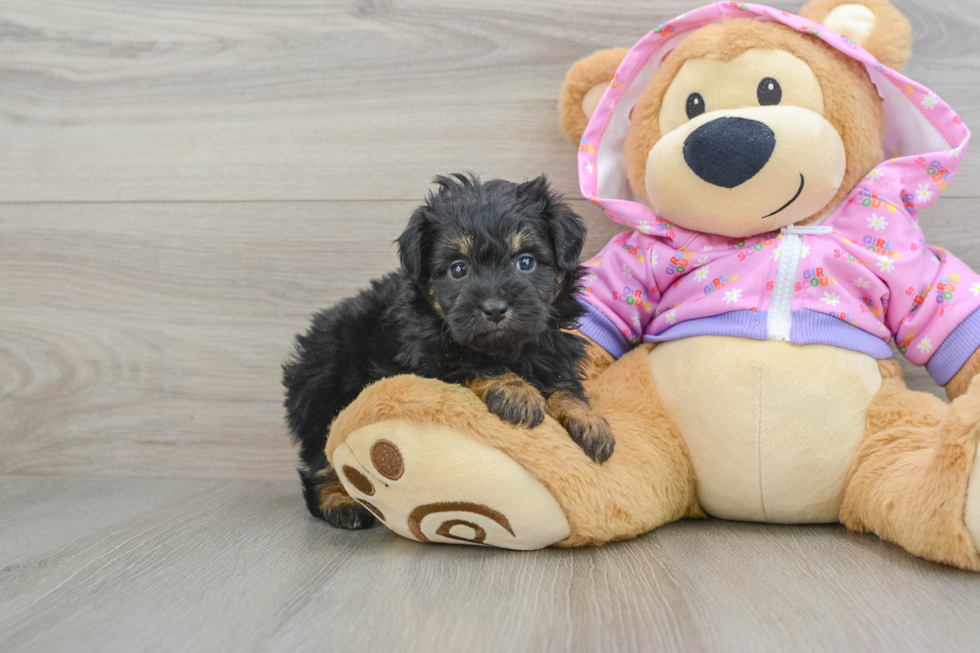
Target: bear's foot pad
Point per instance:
(431, 483)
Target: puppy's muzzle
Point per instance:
(495, 309)
(727, 152)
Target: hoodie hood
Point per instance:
(924, 138)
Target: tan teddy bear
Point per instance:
(769, 168)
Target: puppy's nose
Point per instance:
(495, 309)
(727, 152)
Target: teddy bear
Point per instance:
(767, 169)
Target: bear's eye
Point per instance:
(769, 92)
(695, 105)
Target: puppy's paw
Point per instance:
(587, 428)
(512, 399)
(519, 406)
(350, 517)
(327, 499)
(593, 434)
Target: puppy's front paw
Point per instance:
(519, 408)
(512, 399)
(587, 428)
(350, 517)
(593, 434)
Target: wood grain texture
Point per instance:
(359, 99)
(187, 566)
(146, 339)
(182, 184)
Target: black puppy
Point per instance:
(485, 293)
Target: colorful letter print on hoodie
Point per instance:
(857, 278)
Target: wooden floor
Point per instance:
(178, 565)
(181, 184)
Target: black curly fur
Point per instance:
(419, 320)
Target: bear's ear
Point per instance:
(584, 84)
(875, 25)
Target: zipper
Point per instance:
(780, 318)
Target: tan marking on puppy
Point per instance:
(332, 492)
(516, 242)
(511, 398)
(462, 244)
(435, 302)
(508, 381)
(586, 427)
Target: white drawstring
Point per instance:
(807, 229)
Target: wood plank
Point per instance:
(240, 566)
(134, 100)
(146, 339)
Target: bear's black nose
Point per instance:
(727, 152)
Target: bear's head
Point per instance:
(749, 125)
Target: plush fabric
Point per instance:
(890, 36)
(749, 422)
(909, 478)
(859, 122)
(648, 481)
(756, 417)
(593, 74)
(448, 487)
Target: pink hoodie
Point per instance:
(859, 277)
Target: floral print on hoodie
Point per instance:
(861, 276)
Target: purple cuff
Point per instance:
(602, 331)
(955, 350)
(815, 328)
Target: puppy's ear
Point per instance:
(565, 226)
(413, 245)
(584, 85)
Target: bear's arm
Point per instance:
(620, 293)
(961, 380)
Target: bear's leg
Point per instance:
(909, 479)
(433, 464)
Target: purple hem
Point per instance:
(815, 328)
(602, 331)
(955, 350)
(744, 324)
(809, 328)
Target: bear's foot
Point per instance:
(433, 484)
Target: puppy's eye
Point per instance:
(458, 270)
(769, 92)
(695, 105)
(526, 263)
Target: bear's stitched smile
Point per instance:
(798, 191)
